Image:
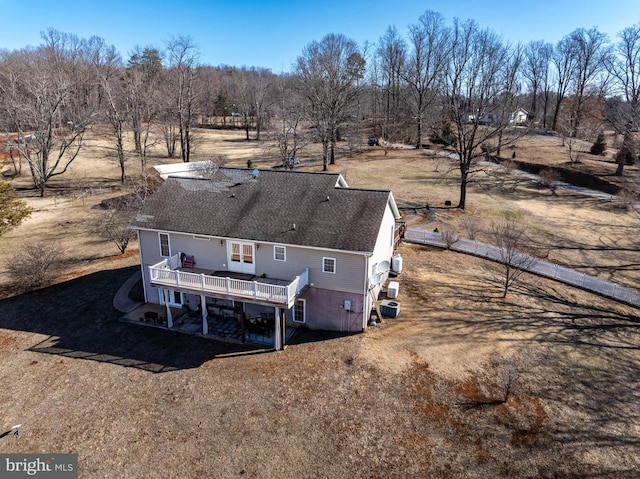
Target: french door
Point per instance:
(175, 298)
(241, 257)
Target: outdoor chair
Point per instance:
(188, 262)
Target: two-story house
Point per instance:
(301, 248)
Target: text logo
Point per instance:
(45, 466)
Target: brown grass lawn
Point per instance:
(543, 383)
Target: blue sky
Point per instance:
(272, 33)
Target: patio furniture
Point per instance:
(188, 261)
(220, 310)
(260, 325)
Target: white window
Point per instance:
(280, 253)
(165, 249)
(328, 265)
(299, 311)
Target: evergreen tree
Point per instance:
(12, 209)
(599, 146)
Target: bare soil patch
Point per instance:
(420, 396)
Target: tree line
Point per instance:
(456, 83)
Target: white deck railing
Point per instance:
(162, 274)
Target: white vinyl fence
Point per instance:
(543, 268)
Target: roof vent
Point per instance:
(255, 173)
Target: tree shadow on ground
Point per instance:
(577, 359)
(543, 312)
(80, 321)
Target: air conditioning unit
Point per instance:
(390, 308)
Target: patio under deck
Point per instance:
(222, 328)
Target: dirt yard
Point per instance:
(464, 383)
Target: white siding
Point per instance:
(384, 244)
(349, 267)
(207, 254)
(211, 255)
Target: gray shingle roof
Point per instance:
(233, 204)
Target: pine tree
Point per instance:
(599, 146)
(13, 210)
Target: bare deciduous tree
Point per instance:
(549, 178)
(252, 88)
(392, 55)
(38, 99)
(328, 72)
(510, 236)
(563, 60)
(113, 225)
(471, 226)
(480, 87)
(210, 167)
(424, 69)
(141, 85)
(536, 71)
(35, 266)
(288, 138)
(591, 55)
(107, 65)
(625, 67)
(183, 57)
(449, 237)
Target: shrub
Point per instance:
(446, 136)
(35, 266)
(449, 237)
(625, 156)
(599, 146)
(471, 226)
(13, 210)
(512, 215)
(114, 226)
(548, 178)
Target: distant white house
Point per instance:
(519, 117)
